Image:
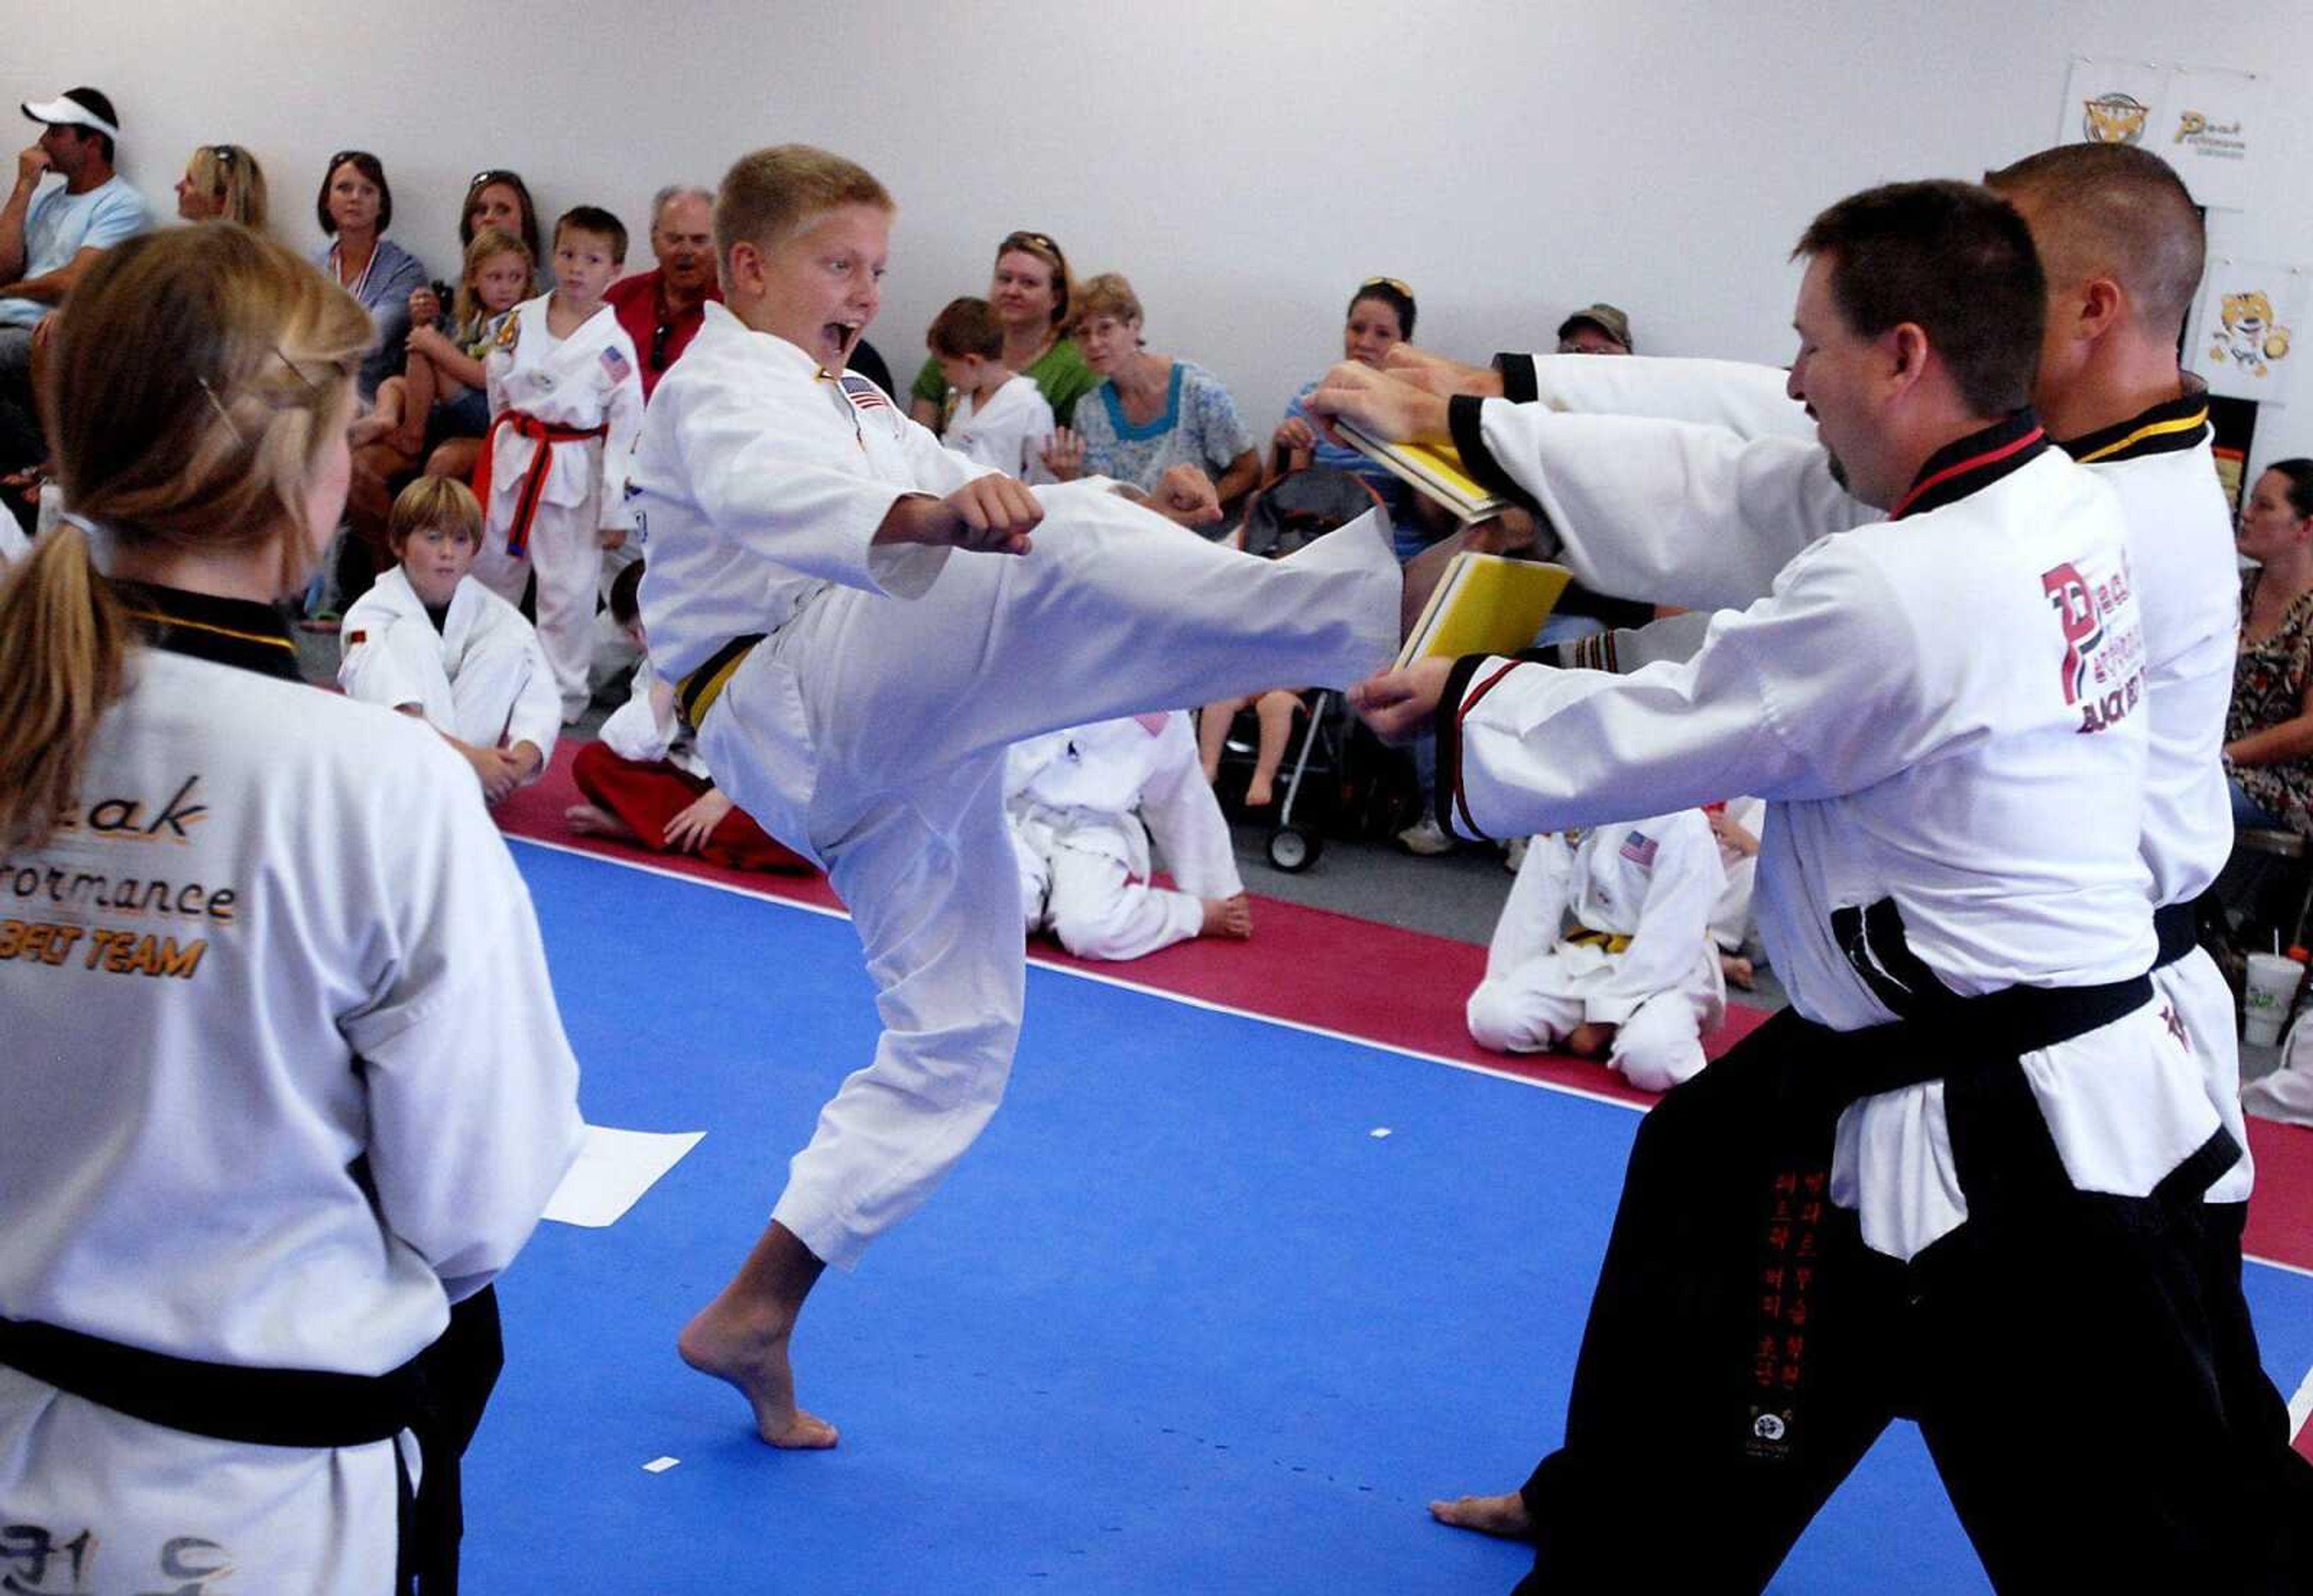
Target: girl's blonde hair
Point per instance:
(233, 175)
(490, 242)
(198, 377)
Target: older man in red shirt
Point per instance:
(660, 309)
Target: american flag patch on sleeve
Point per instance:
(1639, 848)
(865, 393)
(616, 366)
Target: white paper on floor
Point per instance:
(615, 1169)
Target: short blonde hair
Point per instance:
(233, 175)
(1107, 295)
(771, 194)
(434, 502)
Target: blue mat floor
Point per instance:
(1180, 1323)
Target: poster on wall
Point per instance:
(2251, 314)
(2206, 122)
(2208, 128)
(2110, 102)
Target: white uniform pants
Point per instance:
(403, 665)
(1658, 1045)
(567, 559)
(910, 705)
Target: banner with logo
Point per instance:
(2206, 122)
(2252, 317)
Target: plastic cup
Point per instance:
(2272, 990)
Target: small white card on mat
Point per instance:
(615, 1169)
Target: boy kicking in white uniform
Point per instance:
(856, 683)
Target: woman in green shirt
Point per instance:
(1031, 296)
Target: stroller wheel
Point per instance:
(1293, 851)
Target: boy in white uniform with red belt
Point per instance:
(566, 402)
(857, 667)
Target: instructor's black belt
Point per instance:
(309, 1407)
(696, 692)
(2173, 924)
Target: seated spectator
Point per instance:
(1380, 318)
(662, 308)
(1150, 411)
(1034, 295)
(645, 783)
(430, 641)
(1596, 329)
(223, 183)
(2269, 730)
(355, 208)
(439, 395)
(998, 416)
(1737, 824)
(49, 239)
(500, 199)
(1637, 980)
(1077, 800)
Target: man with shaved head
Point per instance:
(2121, 245)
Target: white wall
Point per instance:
(1245, 162)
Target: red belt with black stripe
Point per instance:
(546, 435)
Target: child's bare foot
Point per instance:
(1260, 794)
(746, 1346)
(1227, 916)
(368, 429)
(1503, 1516)
(1590, 1039)
(408, 439)
(1737, 970)
(589, 819)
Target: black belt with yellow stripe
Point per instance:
(696, 693)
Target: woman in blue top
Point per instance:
(1380, 318)
(1150, 412)
(355, 208)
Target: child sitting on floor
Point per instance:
(1637, 980)
(999, 417)
(1084, 803)
(430, 641)
(643, 782)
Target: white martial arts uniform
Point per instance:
(638, 732)
(1084, 805)
(582, 382)
(867, 727)
(1008, 432)
(1731, 917)
(1704, 515)
(286, 1081)
(1927, 732)
(482, 678)
(1649, 884)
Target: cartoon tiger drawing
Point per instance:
(2248, 338)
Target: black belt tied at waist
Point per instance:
(437, 1396)
(2172, 922)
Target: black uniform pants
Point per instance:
(1745, 1349)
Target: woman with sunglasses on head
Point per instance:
(223, 183)
(1380, 318)
(355, 208)
(290, 1099)
(1034, 295)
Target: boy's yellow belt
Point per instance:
(1614, 941)
(696, 692)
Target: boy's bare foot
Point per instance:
(590, 820)
(1738, 971)
(1227, 916)
(746, 1346)
(1503, 1516)
(1590, 1039)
